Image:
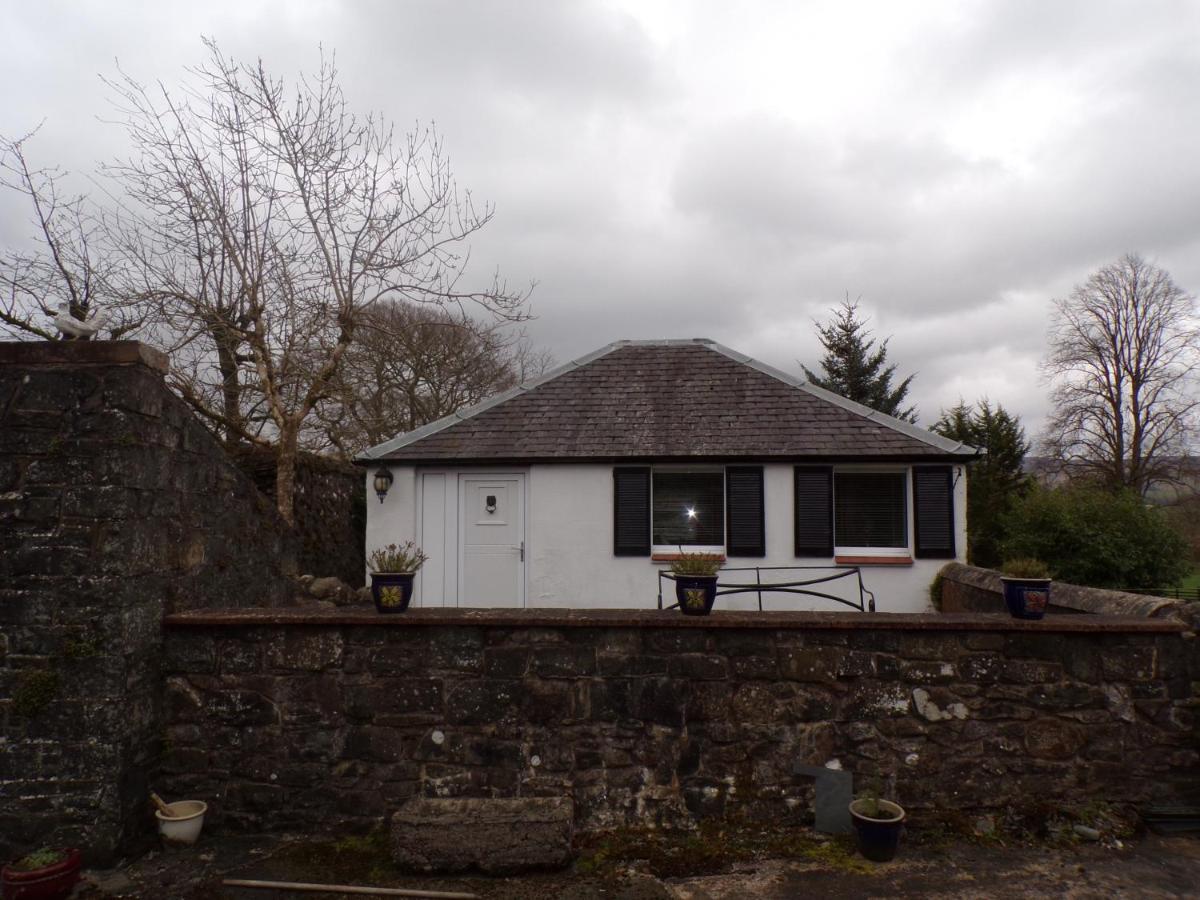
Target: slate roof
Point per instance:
(682, 399)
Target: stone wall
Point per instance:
(330, 511)
(972, 589)
(328, 720)
(115, 504)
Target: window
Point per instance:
(688, 510)
(870, 511)
(863, 512)
(658, 511)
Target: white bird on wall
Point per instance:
(71, 327)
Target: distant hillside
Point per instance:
(1051, 471)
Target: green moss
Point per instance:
(35, 692)
(841, 856)
(82, 648)
(935, 592)
(39, 859)
(714, 847)
(350, 859)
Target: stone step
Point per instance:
(495, 836)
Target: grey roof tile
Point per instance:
(665, 399)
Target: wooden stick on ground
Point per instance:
(347, 889)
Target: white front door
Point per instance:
(492, 524)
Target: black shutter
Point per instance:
(631, 511)
(746, 531)
(814, 511)
(933, 511)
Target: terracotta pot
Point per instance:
(47, 883)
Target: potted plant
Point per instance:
(877, 825)
(696, 581)
(392, 571)
(1026, 587)
(46, 874)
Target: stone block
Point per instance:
(505, 662)
(698, 667)
(495, 836)
(708, 700)
(809, 664)
(309, 651)
(1049, 738)
(1025, 671)
(661, 701)
(1129, 663)
(564, 661)
(482, 702)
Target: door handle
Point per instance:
(522, 549)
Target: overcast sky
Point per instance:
(732, 170)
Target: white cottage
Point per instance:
(577, 488)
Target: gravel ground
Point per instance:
(1150, 867)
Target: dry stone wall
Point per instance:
(330, 511)
(319, 723)
(115, 504)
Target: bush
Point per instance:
(703, 565)
(1025, 568)
(406, 557)
(1096, 538)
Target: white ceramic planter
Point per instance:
(183, 824)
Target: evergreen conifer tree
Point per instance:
(996, 480)
(856, 368)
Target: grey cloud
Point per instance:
(645, 206)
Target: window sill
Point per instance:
(873, 560)
(672, 557)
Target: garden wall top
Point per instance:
(82, 353)
(653, 618)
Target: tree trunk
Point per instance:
(231, 390)
(285, 476)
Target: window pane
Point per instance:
(871, 509)
(689, 508)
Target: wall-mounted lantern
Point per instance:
(383, 481)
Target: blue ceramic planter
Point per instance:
(392, 591)
(879, 835)
(696, 594)
(1026, 598)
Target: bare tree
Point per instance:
(1122, 349)
(268, 220)
(69, 261)
(412, 365)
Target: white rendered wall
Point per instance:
(569, 558)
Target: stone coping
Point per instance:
(82, 353)
(1073, 596)
(654, 618)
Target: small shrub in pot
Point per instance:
(696, 581)
(878, 824)
(47, 874)
(392, 571)
(1026, 587)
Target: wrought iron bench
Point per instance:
(866, 598)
